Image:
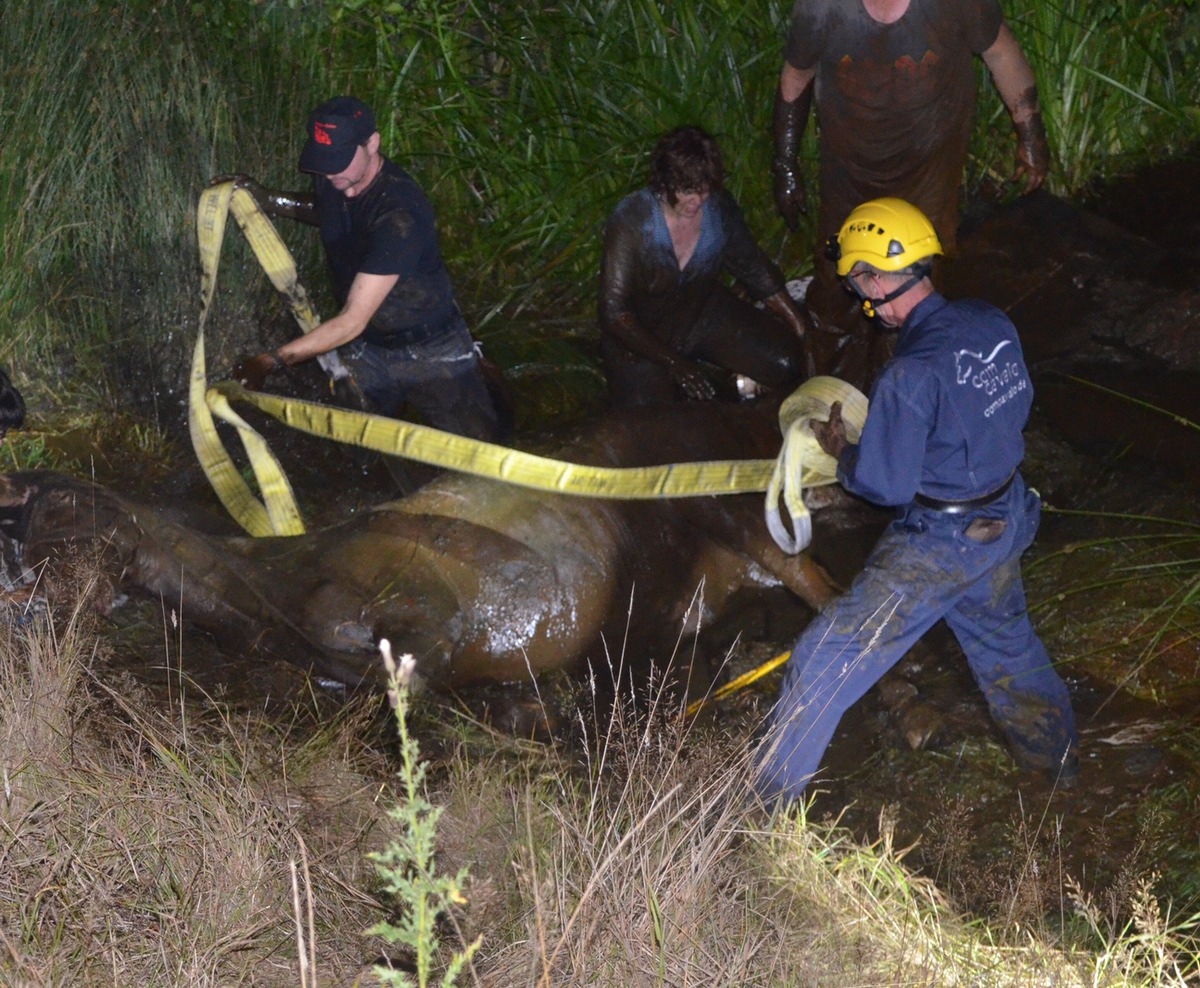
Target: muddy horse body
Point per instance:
(480, 580)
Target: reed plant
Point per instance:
(1117, 82)
(114, 116)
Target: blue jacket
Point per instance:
(947, 411)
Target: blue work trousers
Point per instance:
(926, 566)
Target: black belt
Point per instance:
(962, 507)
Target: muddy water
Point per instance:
(1104, 297)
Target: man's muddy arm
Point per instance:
(1017, 86)
(293, 205)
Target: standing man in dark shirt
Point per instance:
(404, 335)
(894, 87)
(942, 443)
(664, 309)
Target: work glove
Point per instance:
(241, 181)
(788, 123)
(1033, 153)
(251, 372)
(692, 380)
(831, 435)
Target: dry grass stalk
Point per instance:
(137, 849)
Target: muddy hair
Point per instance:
(12, 405)
(686, 159)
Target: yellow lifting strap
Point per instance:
(802, 458)
(277, 513)
(737, 683)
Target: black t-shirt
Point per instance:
(387, 229)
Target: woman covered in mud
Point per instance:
(664, 309)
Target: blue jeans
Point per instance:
(926, 566)
(441, 378)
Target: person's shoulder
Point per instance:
(636, 206)
(398, 182)
(725, 199)
(978, 20)
(813, 18)
(977, 311)
(816, 11)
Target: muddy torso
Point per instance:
(894, 101)
(388, 229)
(640, 273)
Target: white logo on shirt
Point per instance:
(976, 368)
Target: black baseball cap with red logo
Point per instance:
(335, 130)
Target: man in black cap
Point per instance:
(404, 336)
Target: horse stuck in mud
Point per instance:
(481, 581)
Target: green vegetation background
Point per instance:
(525, 123)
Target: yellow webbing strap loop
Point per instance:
(277, 513)
(272, 253)
(801, 462)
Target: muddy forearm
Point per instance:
(782, 304)
(1012, 75)
(293, 205)
(1017, 87)
(625, 328)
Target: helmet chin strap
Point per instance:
(869, 305)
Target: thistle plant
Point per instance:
(408, 864)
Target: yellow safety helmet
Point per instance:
(889, 234)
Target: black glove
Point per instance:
(251, 372)
(788, 123)
(692, 380)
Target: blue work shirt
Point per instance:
(947, 410)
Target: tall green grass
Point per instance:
(526, 123)
(1117, 81)
(113, 116)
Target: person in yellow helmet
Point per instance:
(942, 444)
(894, 87)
